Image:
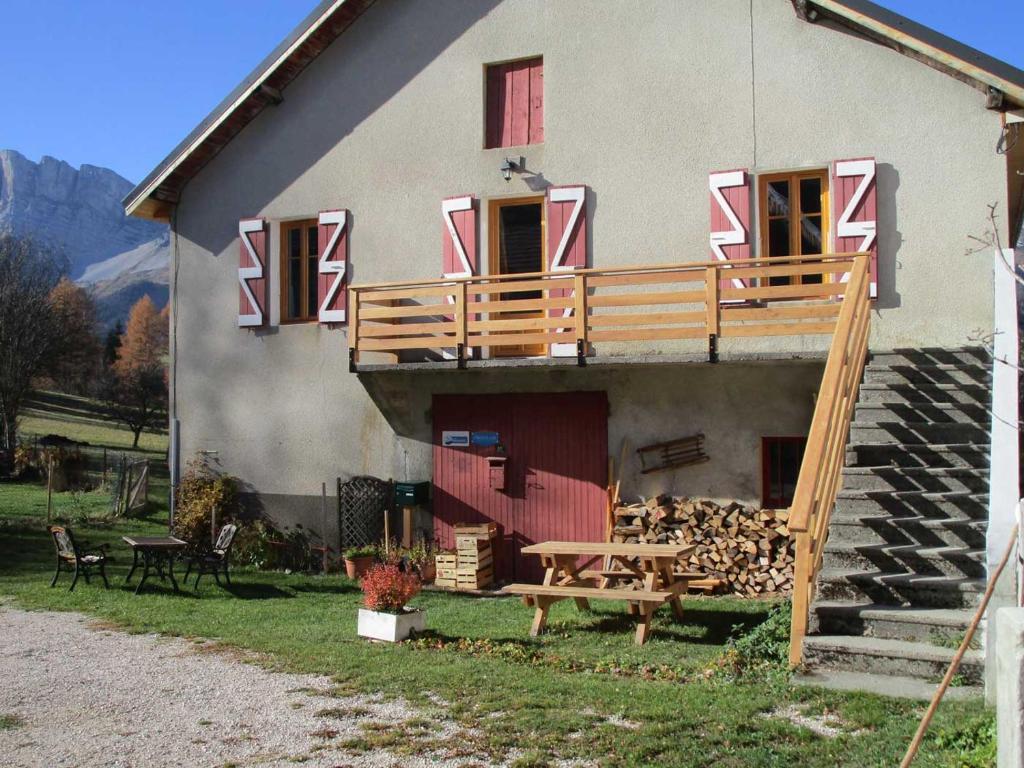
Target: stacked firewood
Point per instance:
(747, 548)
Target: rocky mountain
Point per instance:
(78, 212)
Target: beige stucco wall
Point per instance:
(641, 102)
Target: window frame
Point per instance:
(795, 213)
(283, 273)
(494, 207)
(767, 502)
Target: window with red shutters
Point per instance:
(515, 103)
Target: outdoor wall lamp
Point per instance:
(517, 164)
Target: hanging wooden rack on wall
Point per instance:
(672, 454)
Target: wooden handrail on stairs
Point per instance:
(821, 469)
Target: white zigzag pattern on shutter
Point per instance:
(336, 267)
(575, 195)
(737, 235)
(865, 229)
(245, 274)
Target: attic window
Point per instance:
(515, 103)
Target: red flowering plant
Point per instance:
(387, 588)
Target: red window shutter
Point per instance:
(730, 220)
(332, 244)
(252, 278)
(515, 103)
(458, 245)
(567, 245)
(458, 237)
(855, 211)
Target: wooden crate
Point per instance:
(444, 560)
(451, 583)
(476, 561)
(474, 579)
(482, 531)
(471, 544)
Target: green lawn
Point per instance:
(558, 696)
(518, 692)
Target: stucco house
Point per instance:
(423, 236)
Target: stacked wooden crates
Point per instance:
(471, 566)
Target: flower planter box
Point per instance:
(390, 627)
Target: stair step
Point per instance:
(895, 686)
(973, 480)
(919, 358)
(880, 655)
(935, 455)
(968, 394)
(921, 411)
(895, 622)
(925, 504)
(961, 373)
(955, 562)
(899, 589)
(861, 531)
(896, 431)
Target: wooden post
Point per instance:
(406, 527)
(580, 309)
(353, 328)
(801, 594)
(49, 488)
(460, 320)
(323, 527)
(711, 301)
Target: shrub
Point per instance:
(387, 588)
(201, 493)
(764, 649)
(252, 544)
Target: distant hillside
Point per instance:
(78, 211)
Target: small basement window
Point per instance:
(780, 468)
(299, 256)
(793, 217)
(514, 103)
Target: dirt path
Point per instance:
(83, 696)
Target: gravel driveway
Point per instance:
(86, 696)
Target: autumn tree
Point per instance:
(135, 386)
(75, 361)
(29, 327)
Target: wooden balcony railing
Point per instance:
(447, 318)
(821, 470)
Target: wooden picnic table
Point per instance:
(156, 553)
(649, 569)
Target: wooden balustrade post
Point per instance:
(353, 329)
(713, 311)
(580, 316)
(460, 322)
(801, 597)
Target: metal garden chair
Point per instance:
(216, 560)
(72, 558)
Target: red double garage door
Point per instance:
(556, 470)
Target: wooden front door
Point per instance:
(516, 247)
(556, 471)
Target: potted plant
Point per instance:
(386, 590)
(421, 558)
(359, 560)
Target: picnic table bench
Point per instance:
(650, 569)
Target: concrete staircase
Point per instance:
(904, 565)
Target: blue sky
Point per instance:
(119, 84)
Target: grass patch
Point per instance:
(9, 722)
